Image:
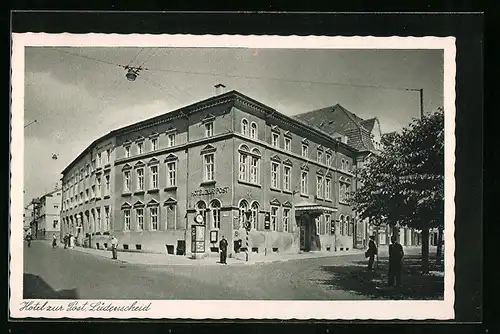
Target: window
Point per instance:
(202, 209)
(209, 129)
(342, 225)
(275, 171)
(244, 127)
(126, 181)
(208, 166)
(171, 140)
(93, 167)
(171, 174)
(154, 144)
(286, 219)
(126, 220)
(319, 186)
(348, 226)
(320, 156)
(55, 223)
(215, 210)
(275, 139)
(243, 208)
(170, 217)
(255, 170)
(108, 156)
(140, 179)
(140, 148)
(328, 222)
(288, 144)
(243, 167)
(92, 192)
(274, 218)
(317, 221)
(255, 215)
(328, 188)
(99, 159)
(287, 177)
(304, 187)
(328, 159)
(86, 195)
(253, 130)
(139, 213)
(127, 151)
(107, 185)
(305, 150)
(98, 214)
(344, 190)
(106, 218)
(153, 213)
(154, 177)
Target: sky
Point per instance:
(77, 95)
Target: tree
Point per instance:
(404, 184)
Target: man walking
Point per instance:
(395, 261)
(223, 250)
(371, 252)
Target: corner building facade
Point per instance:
(231, 160)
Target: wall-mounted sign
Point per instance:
(211, 191)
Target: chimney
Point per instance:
(219, 89)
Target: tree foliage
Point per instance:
(404, 183)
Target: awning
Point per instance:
(313, 208)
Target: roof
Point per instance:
(230, 96)
(337, 119)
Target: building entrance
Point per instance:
(305, 239)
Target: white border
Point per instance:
(217, 309)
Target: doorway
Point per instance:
(304, 235)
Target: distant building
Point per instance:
(46, 217)
(219, 164)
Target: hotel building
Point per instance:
(230, 160)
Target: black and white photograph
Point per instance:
(179, 176)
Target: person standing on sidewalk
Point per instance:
(371, 252)
(114, 247)
(223, 250)
(66, 240)
(54, 240)
(395, 261)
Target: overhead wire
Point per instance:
(140, 51)
(243, 76)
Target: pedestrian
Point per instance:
(114, 247)
(66, 240)
(395, 261)
(28, 239)
(54, 240)
(371, 252)
(223, 250)
(71, 241)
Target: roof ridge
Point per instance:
(351, 116)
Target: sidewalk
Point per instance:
(175, 260)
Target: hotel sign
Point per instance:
(211, 191)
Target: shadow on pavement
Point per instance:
(373, 284)
(34, 287)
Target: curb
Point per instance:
(191, 262)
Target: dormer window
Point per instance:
(127, 151)
(320, 156)
(140, 147)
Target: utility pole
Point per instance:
(421, 92)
